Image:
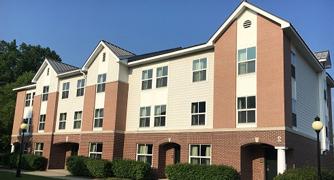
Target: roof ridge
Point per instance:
(118, 47)
(62, 63)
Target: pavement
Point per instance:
(54, 173)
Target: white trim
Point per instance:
(151, 155)
(200, 157)
(31, 86)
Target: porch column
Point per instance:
(281, 159)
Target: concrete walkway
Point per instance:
(54, 173)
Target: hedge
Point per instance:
(201, 172)
(28, 161)
(306, 173)
(84, 166)
(131, 169)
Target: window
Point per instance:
(98, 120)
(95, 150)
(28, 121)
(39, 149)
(146, 78)
(144, 153)
(246, 60)
(45, 93)
(66, 90)
(32, 99)
(101, 80)
(325, 95)
(199, 69)
(62, 121)
(294, 115)
(103, 57)
(246, 109)
(162, 76)
(80, 87)
(48, 71)
(198, 110)
(200, 154)
(28, 98)
(77, 119)
(41, 125)
(293, 65)
(160, 115)
(145, 114)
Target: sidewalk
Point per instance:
(54, 173)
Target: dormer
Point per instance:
(324, 58)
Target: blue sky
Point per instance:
(73, 27)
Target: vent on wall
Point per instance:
(247, 24)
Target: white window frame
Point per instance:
(246, 124)
(66, 90)
(145, 116)
(162, 76)
(45, 94)
(200, 69)
(28, 121)
(27, 100)
(76, 119)
(98, 116)
(148, 79)
(41, 122)
(146, 155)
(101, 83)
(81, 87)
(39, 149)
(200, 157)
(198, 114)
(246, 61)
(94, 151)
(32, 99)
(160, 116)
(62, 121)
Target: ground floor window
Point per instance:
(39, 149)
(144, 153)
(200, 154)
(95, 150)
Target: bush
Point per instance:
(76, 166)
(131, 169)
(84, 166)
(201, 172)
(28, 161)
(307, 173)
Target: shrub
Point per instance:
(306, 173)
(131, 169)
(28, 161)
(201, 172)
(98, 168)
(76, 166)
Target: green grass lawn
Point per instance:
(10, 175)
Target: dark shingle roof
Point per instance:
(147, 55)
(60, 67)
(119, 52)
(321, 54)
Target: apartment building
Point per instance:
(246, 98)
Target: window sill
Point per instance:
(246, 125)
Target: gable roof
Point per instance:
(156, 53)
(118, 51)
(61, 67)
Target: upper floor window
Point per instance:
(199, 69)
(80, 87)
(145, 114)
(95, 150)
(32, 99)
(246, 109)
(66, 90)
(98, 118)
(294, 115)
(246, 60)
(198, 110)
(101, 80)
(200, 154)
(48, 71)
(62, 121)
(39, 149)
(28, 99)
(41, 124)
(325, 95)
(103, 57)
(293, 65)
(160, 115)
(162, 75)
(146, 79)
(77, 119)
(28, 121)
(144, 153)
(45, 93)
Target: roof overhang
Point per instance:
(27, 87)
(40, 70)
(329, 80)
(70, 73)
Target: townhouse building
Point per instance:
(246, 98)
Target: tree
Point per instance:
(18, 66)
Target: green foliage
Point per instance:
(307, 173)
(28, 161)
(84, 166)
(131, 169)
(18, 65)
(76, 166)
(201, 172)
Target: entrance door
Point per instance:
(169, 153)
(271, 163)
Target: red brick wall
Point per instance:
(51, 112)
(88, 109)
(19, 108)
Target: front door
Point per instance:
(271, 163)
